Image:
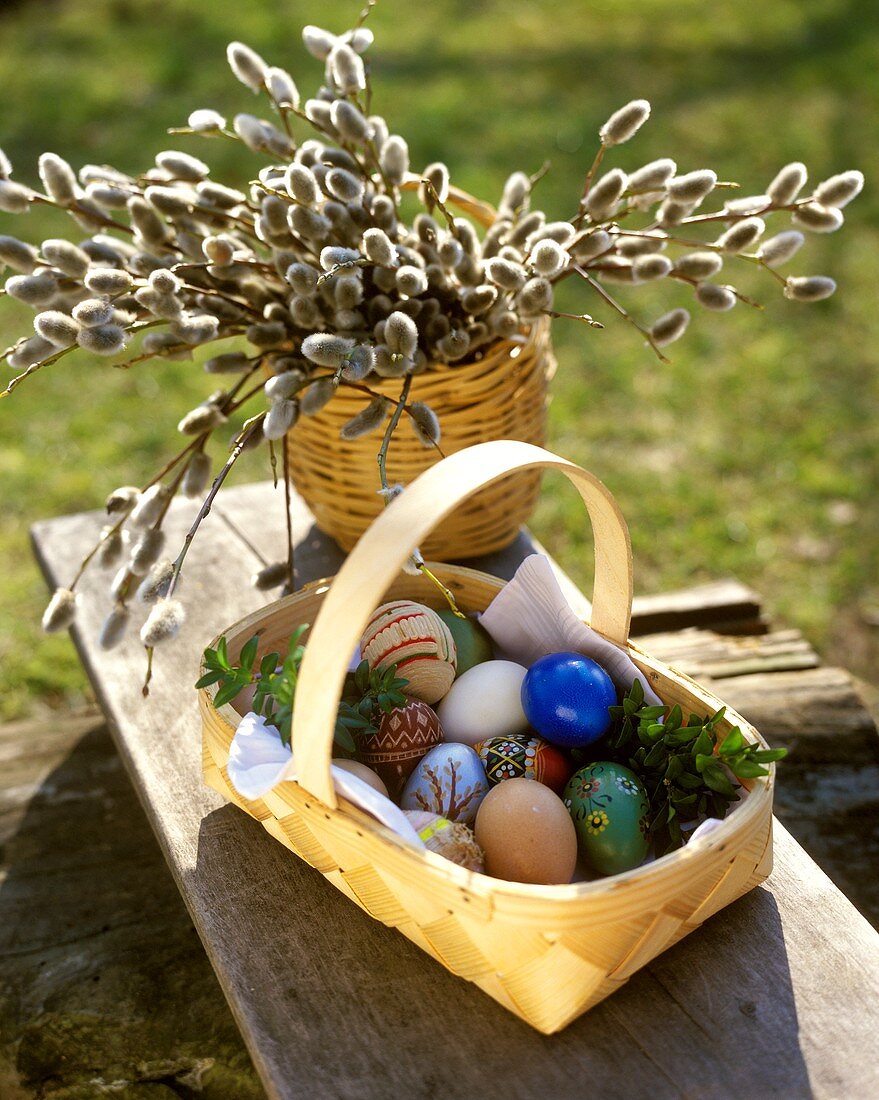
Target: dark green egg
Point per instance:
(609, 807)
(471, 640)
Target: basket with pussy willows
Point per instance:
(353, 307)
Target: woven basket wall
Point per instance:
(502, 395)
(546, 953)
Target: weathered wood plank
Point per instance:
(818, 712)
(776, 682)
(701, 653)
(726, 606)
(333, 1004)
(101, 977)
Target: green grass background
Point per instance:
(753, 454)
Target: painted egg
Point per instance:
(450, 839)
(526, 757)
(364, 773)
(472, 642)
(449, 781)
(609, 807)
(526, 833)
(402, 739)
(415, 639)
(485, 702)
(566, 697)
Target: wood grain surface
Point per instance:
(776, 996)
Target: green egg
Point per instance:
(609, 807)
(471, 640)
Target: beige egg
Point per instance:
(526, 833)
(364, 773)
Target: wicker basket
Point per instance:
(547, 953)
(500, 395)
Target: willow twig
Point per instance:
(291, 582)
(614, 304)
(252, 425)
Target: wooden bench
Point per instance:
(775, 996)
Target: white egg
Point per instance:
(485, 701)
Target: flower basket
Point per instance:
(546, 953)
(500, 395)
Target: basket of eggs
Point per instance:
(536, 803)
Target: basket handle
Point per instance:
(377, 558)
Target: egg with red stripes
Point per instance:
(415, 639)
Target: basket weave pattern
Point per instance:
(502, 395)
(546, 953)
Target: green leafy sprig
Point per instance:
(367, 695)
(685, 767)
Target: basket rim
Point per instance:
(760, 790)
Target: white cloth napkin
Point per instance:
(259, 761)
(530, 618)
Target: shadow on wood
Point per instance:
(348, 977)
(103, 975)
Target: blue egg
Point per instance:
(566, 697)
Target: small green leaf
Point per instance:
(343, 738)
(766, 756)
(248, 652)
(748, 769)
(716, 779)
(268, 664)
(733, 742)
(209, 678)
(656, 755)
(223, 654)
(652, 713)
(227, 693)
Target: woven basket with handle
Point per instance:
(547, 953)
(499, 394)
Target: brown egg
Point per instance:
(526, 833)
(364, 773)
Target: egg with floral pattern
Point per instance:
(526, 756)
(609, 807)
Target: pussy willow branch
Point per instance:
(288, 518)
(578, 220)
(240, 442)
(614, 304)
(34, 367)
(74, 208)
(393, 422)
(389, 431)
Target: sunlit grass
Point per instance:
(752, 454)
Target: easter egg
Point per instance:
(364, 773)
(524, 756)
(609, 807)
(417, 641)
(402, 739)
(526, 833)
(485, 702)
(450, 839)
(566, 697)
(448, 781)
(472, 643)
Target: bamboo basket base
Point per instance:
(588, 939)
(571, 964)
